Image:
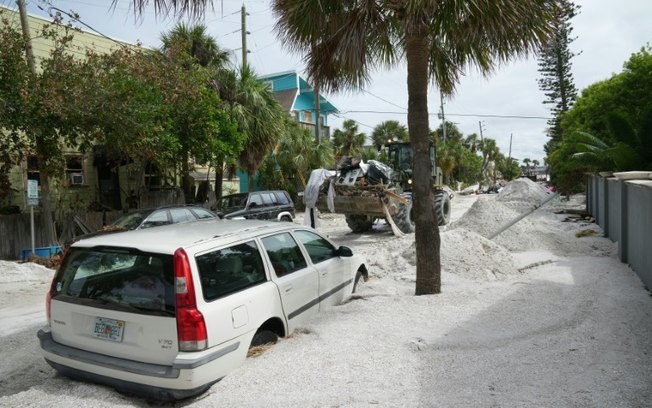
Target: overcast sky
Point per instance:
(508, 103)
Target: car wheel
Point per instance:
(286, 218)
(358, 278)
(264, 337)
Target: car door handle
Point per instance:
(288, 288)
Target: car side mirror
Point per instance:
(344, 251)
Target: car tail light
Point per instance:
(53, 289)
(48, 301)
(191, 327)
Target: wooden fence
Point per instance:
(15, 234)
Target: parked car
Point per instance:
(153, 217)
(273, 205)
(150, 217)
(166, 312)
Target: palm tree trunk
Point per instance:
(250, 182)
(427, 238)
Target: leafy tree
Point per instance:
(389, 130)
(345, 41)
(14, 74)
(628, 148)
(555, 68)
(526, 165)
(192, 49)
(53, 111)
(348, 141)
(608, 126)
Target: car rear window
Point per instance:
(229, 270)
(116, 278)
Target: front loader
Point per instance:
(365, 192)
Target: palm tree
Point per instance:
(526, 163)
(197, 43)
(294, 157)
(345, 41)
(259, 117)
(472, 142)
(389, 130)
(348, 140)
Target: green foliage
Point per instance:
(348, 141)
(555, 67)
(389, 130)
(508, 168)
(295, 156)
(609, 127)
(13, 78)
(259, 117)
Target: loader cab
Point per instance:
(401, 159)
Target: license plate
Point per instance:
(109, 329)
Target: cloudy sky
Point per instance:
(507, 104)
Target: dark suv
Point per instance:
(274, 205)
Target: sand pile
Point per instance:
(468, 255)
(523, 194)
(490, 213)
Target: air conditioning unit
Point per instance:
(76, 179)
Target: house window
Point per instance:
(75, 170)
(307, 117)
(32, 169)
(152, 176)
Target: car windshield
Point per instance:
(130, 221)
(233, 202)
(117, 278)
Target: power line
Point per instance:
(481, 115)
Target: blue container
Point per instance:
(42, 252)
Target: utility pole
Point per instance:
(509, 160)
(443, 116)
(480, 125)
(24, 23)
(243, 18)
(317, 104)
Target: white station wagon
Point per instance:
(166, 312)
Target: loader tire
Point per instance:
(359, 223)
(442, 207)
(403, 217)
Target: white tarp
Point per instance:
(311, 194)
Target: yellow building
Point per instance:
(101, 179)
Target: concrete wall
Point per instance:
(624, 211)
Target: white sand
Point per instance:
(534, 317)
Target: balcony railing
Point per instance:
(324, 131)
